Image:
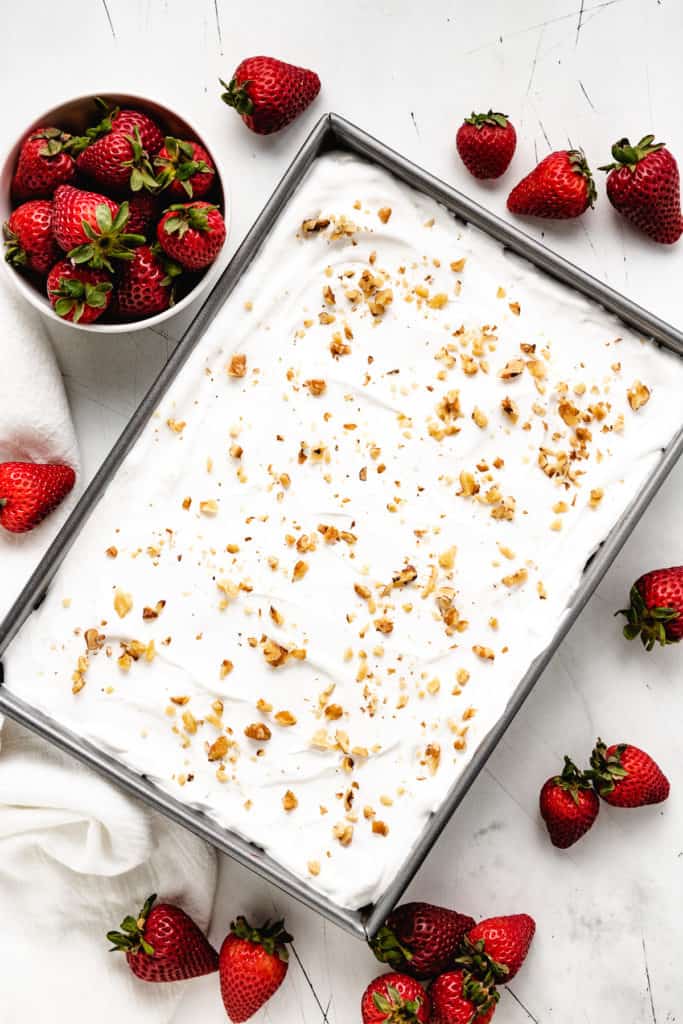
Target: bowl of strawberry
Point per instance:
(114, 213)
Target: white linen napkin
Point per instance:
(76, 854)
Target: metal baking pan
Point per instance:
(330, 132)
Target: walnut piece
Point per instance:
(237, 367)
(123, 603)
(258, 731)
(638, 395)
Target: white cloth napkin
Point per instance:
(76, 854)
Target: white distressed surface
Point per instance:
(609, 942)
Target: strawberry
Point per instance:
(29, 241)
(164, 944)
(395, 998)
(90, 227)
(185, 168)
(29, 491)
(269, 94)
(143, 209)
(656, 609)
(560, 187)
(569, 805)
(643, 184)
(119, 162)
(122, 122)
(460, 998)
(486, 144)
(253, 964)
(146, 283)
(626, 776)
(43, 164)
(497, 947)
(77, 293)
(192, 233)
(420, 938)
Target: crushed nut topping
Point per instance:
(638, 395)
(258, 731)
(289, 801)
(237, 367)
(123, 603)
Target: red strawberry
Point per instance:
(459, 998)
(122, 122)
(164, 944)
(43, 164)
(420, 938)
(146, 283)
(192, 233)
(29, 241)
(626, 776)
(656, 610)
(643, 184)
(560, 187)
(29, 491)
(253, 964)
(78, 294)
(395, 998)
(497, 947)
(269, 93)
(143, 209)
(90, 227)
(117, 161)
(569, 805)
(486, 144)
(185, 168)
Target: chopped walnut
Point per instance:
(338, 347)
(274, 653)
(384, 213)
(432, 757)
(313, 867)
(343, 831)
(122, 603)
(447, 558)
(458, 265)
(111, 551)
(300, 570)
(384, 625)
(438, 301)
(237, 367)
(480, 418)
(94, 640)
(638, 395)
(597, 494)
(209, 507)
(513, 368)
(177, 426)
(218, 749)
(468, 485)
(258, 731)
(510, 409)
(155, 612)
(334, 712)
(314, 225)
(514, 307)
(404, 576)
(328, 295)
(515, 579)
(379, 828)
(316, 386)
(485, 653)
(289, 801)
(285, 718)
(226, 668)
(378, 303)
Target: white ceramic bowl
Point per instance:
(75, 116)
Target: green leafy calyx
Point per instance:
(73, 296)
(185, 217)
(108, 241)
(180, 165)
(648, 623)
(396, 1009)
(493, 118)
(131, 937)
(273, 937)
(626, 155)
(388, 949)
(237, 97)
(607, 771)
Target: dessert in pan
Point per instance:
(357, 516)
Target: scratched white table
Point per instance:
(609, 942)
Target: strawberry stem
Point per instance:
(492, 118)
(649, 623)
(607, 771)
(271, 936)
(388, 949)
(626, 155)
(237, 97)
(130, 939)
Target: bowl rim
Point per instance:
(33, 295)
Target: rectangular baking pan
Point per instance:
(333, 132)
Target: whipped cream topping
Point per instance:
(358, 515)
